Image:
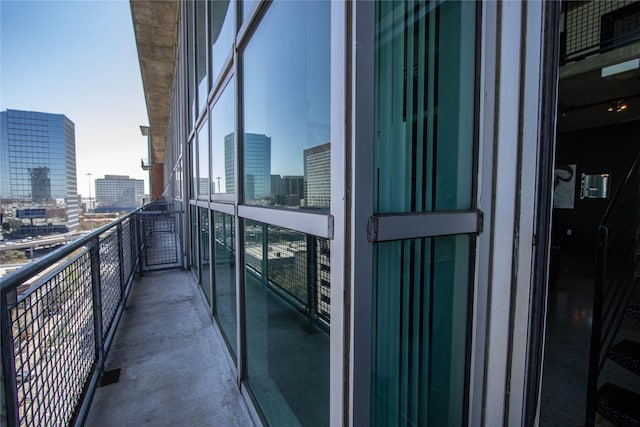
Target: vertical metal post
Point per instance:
(141, 244)
(8, 362)
(596, 327)
(94, 252)
(132, 244)
(265, 254)
(123, 283)
(312, 278)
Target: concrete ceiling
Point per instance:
(155, 24)
(584, 96)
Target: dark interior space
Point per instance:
(601, 150)
(609, 149)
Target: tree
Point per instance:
(12, 257)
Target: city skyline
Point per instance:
(78, 59)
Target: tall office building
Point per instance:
(228, 163)
(317, 176)
(118, 193)
(38, 172)
(257, 168)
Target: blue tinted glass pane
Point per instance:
(203, 159)
(247, 7)
(424, 106)
(193, 154)
(205, 259)
(194, 238)
(287, 314)
(222, 31)
(225, 277)
(222, 142)
(201, 52)
(286, 69)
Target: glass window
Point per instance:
(222, 32)
(201, 53)
(194, 239)
(205, 259)
(247, 7)
(194, 169)
(225, 277)
(223, 142)
(191, 72)
(419, 331)
(286, 69)
(287, 306)
(424, 106)
(203, 159)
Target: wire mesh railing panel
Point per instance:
(54, 347)
(324, 280)
(127, 256)
(161, 239)
(52, 355)
(110, 289)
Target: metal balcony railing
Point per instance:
(596, 26)
(59, 314)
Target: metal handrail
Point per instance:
(612, 294)
(614, 200)
(12, 280)
(71, 313)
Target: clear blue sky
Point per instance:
(78, 58)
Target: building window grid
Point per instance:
(183, 123)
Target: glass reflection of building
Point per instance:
(38, 171)
(317, 176)
(229, 162)
(287, 190)
(257, 168)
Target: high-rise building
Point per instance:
(287, 190)
(38, 172)
(118, 193)
(257, 168)
(228, 163)
(317, 176)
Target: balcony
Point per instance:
(94, 334)
(594, 27)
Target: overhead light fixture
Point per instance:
(617, 106)
(622, 71)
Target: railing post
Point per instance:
(8, 363)
(265, 255)
(596, 326)
(133, 242)
(123, 283)
(141, 244)
(94, 252)
(312, 277)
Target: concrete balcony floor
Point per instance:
(174, 367)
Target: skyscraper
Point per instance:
(228, 163)
(257, 168)
(38, 171)
(317, 176)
